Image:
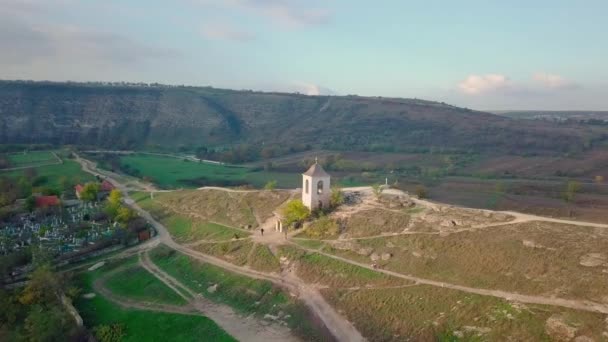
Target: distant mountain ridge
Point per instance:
(132, 116)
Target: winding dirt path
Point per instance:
(242, 328)
(338, 325)
(568, 303)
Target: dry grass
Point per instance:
(236, 209)
(236, 252)
(263, 260)
(375, 222)
(531, 258)
(426, 313)
(318, 269)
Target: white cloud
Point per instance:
(225, 32)
(551, 81)
(288, 13)
(478, 84)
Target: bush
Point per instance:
(271, 185)
(421, 191)
(323, 228)
(295, 212)
(109, 333)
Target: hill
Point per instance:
(135, 116)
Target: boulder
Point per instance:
(374, 257)
(593, 259)
(386, 256)
(365, 251)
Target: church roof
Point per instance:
(316, 170)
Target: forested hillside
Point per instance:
(136, 116)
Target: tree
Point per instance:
(89, 192)
(47, 324)
(30, 203)
(421, 191)
(336, 197)
(295, 212)
(43, 288)
(271, 185)
(572, 188)
(115, 198)
(125, 214)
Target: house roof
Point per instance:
(316, 170)
(106, 186)
(47, 201)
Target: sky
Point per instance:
(486, 55)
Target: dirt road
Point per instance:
(340, 328)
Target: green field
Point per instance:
(142, 325)
(246, 295)
(170, 172)
(137, 283)
(32, 158)
(52, 175)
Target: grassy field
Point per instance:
(426, 313)
(319, 269)
(531, 258)
(142, 325)
(32, 158)
(51, 175)
(246, 295)
(233, 209)
(235, 252)
(170, 172)
(262, 259)
(137, 283)
(375, 222)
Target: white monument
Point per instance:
(316, 187)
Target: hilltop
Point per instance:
(134, 116)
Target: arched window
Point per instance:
(320, 187)
(306, 186)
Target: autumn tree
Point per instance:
(295, 212)
(89, 192)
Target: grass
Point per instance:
(245, 295)
(375, 222)
(426, 313)
(320, 269)
(32, 158)
(171, 172)
(137, 283)
(496, 258)
(235, 252)
(187, 228)
(142, 325)
(233, 209)
(53, 173)
(262, 259)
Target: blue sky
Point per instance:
(480, 54)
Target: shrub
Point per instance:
(323, 228)
(109, 333)
(295, 212)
